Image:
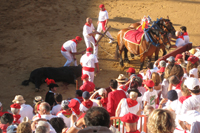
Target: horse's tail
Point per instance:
(25, 82)
(117, 51)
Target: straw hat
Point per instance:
(121, 78)
(37, 99)
(19, 99)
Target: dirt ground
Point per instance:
(32, 33)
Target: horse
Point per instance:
(165, 24)
(145, 49)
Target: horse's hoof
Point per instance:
(36, 90)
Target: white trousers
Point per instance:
(69, 58)
(99, 29)
(88, 41)
(90, 74)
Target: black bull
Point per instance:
(65, 74)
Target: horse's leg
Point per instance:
(156, 53)
(125, 55)
(164, 51)
(118, 54)
(142, 58)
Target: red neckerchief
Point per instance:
(104, 101)
(104, 9)
(181, 37)
(88, 24)
(124, 87)
(67, 113)
(87, 104)
(39, 115)
(178, 86)
(185, 34)
(131, 102)
(74, 40)
(88, 53)
(134, 132)
(183, 98)
(16, 119)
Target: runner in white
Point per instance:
(88, 33)
(102, 22)
(89, 61)
(68, 50)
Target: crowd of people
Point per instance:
(167, 92)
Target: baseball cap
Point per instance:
(131, 70)
(191, 83)
(172, 95)
(86, 95)
(170, 59)
(190, 116)
(149, 83)
(78, 38)
(101, 6)
(193, 59)
(194, 71)
(178, 56)
(130, 118)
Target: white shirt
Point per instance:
(70, 46)
(192, 103)
(47, 117)
(103, 15)
(142, 90)
(180, 42)
(84, 109)
(150, 98)
(174, 105)
(88, 61)
(186, 39)
(165, 85)
(87, 30)
(56, 109)
(66, 119)
(26, 110)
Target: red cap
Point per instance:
(74, 105)
(101, 6)
(131, 70)
(149, 83)
(193, 59)
(130, 118)
(78, 38)
(161, 70)
(15, 105)
(89, 49)
(84, 76)
(178, 56)
(139, 75)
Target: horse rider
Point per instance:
(68, 50)
(88, 33)
(102, 22)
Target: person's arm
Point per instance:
(97, 67)
(76, 127)
(170, 87)
(110, 104)
(139, 111)
(145, 103)
(118, 110)
(92, 98)
(164, 100)
(77, 53)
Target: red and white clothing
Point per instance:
(66, 50)
(180, 103)
(129, 105)
(192, 103)
(103, 16)
(85, 105)
(17, 119)
(114, 98)
(87, 29)
(87, 86)
(150, 98)
(56, 109)
(180, 41)
(66, 115)
(26, 111)
(47, 117)
(88, 62)
(123, 87)
(186, 37)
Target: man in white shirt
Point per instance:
(68, 50)
(88, 33)
(89, 61)
(185, 34)
(25, 110)
(193, 102)
(179, 41)
(102, 22)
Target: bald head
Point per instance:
(44, 106)
(89, 20)
(178, 33)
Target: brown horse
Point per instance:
(165, 24)
(146, 49)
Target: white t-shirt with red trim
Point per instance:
(88, 60)
(84, 108)
(70, 46)
(103, 15)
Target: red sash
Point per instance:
(103, 25)
(63, 49)
(131, 102)
(87, 104)
(181, 37)
(88, 69)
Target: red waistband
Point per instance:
(63, 49)
(88, 69)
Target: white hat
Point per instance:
(190, 116)
(191, 83)
(101, 91)
(0, 104)
(194, 71)
(64, 103)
